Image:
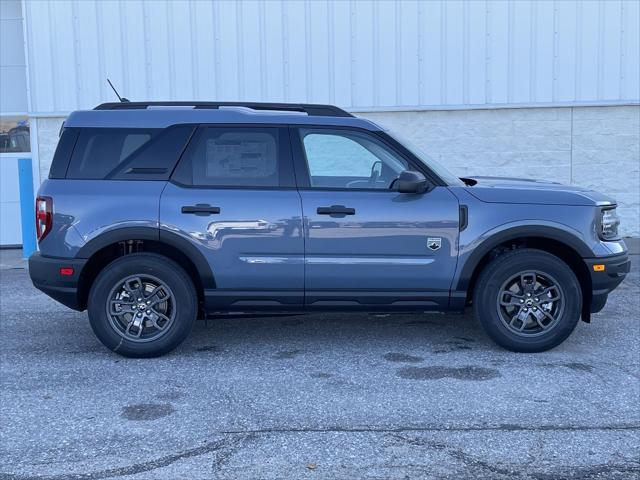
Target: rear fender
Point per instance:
(146, 233)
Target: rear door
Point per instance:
(233, 195)
(368, 246)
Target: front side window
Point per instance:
(349, 159)
(232, 156)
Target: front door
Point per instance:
(366, 245)
(233, 196)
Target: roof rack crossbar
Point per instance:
(309, 109)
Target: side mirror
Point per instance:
(411, 181)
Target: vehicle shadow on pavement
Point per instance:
(437, 333)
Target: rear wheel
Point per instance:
(528, 300)
(142, 305)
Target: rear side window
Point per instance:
(155, 159)
(67, 142)
(235, 157)
(99, 151)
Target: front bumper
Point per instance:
(46, 277)
(605, 281)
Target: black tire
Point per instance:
(489, 300)
(183, 305)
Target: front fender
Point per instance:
(471, 253)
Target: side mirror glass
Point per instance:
(411, 181)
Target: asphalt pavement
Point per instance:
(314, 397)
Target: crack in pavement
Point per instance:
(224, 447)
(223, 455)
(593, 471)
(467, 460)
(477, 428)
(472, 463)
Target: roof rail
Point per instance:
(309, 109)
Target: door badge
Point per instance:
(434, 243)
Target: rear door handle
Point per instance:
(201, 209)
(336, 210)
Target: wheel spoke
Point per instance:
(135, 322)
(125, 307)
(540, 324)
(524, 321)
(528, 282)
(538, 315)
(514, 300)
(154, 321)
(135, 292)
(550, 294)
(155, 291)
(154, 317)
(157, 300)
(163, 316)
(549, 316)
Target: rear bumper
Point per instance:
(46, 277)
(605, 281)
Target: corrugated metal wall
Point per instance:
(13, 84)
(361, 55)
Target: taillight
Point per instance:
(44, 214)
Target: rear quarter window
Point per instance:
(66, 144)
(99, 151)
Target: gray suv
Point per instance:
(155, 214)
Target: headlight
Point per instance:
(609, 221)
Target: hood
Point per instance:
(522, 190)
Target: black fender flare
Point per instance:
(523, 231)
(157, 235)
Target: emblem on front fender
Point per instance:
(434, 243)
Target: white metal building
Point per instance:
(544, 89)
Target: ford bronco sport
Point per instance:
(155, 214)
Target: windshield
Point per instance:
(436, 167)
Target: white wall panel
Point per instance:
(360, 54)
(13, 82)
(543, 62)
(630, 65)
(476, 58)
(520, 54)
(342, 78)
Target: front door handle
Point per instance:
(336, 210)
(201, 209)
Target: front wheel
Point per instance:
(142, 305)
(528, 300)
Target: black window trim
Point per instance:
(120, 171)
(302, 169)
(285, 160)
